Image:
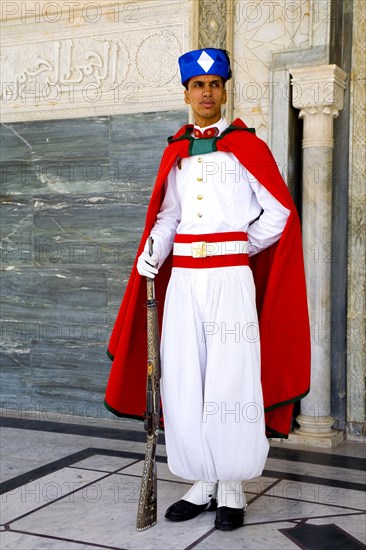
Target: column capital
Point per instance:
(318, 86)
(319, 93)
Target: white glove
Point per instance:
(146, 264)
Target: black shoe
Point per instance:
(184, 510)
(228, 519)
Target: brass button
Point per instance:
(199, 197)
(199, 179)
(200, 159)
(200, 214)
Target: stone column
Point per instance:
(318, 92)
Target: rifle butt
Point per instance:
(147, 505)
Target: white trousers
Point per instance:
(210, 383)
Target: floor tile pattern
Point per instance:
(75, 487)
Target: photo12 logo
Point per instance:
(70, 11)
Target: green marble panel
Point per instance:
(16, 230)
(137, 144)
(117, 282)
(75, 194)
(56, 140)
(50, 300)
(56, 156)
(85, 229)
(68, 372)
(18, 178)
(55, 378)
(15, 379)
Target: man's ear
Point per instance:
(224, 98)
(186, 97)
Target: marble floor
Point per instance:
(73, 484)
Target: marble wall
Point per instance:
(74, 196)
(340, 53)
(356, 300)
(68, 59)
(78, 93)
(262, 29)
(89, 92)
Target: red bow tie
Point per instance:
(209, 133)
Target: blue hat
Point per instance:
(206, 61)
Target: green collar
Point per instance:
(206, 145)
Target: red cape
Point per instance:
(280, 288)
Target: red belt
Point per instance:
(201, 256)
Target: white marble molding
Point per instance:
(71, 59)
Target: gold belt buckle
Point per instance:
(199, 249)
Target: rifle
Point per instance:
(147, 505)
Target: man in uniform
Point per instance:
(219, 213)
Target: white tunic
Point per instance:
(211, 389)
(214, 193)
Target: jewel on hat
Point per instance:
(204, 61)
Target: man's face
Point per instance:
(205, 94)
